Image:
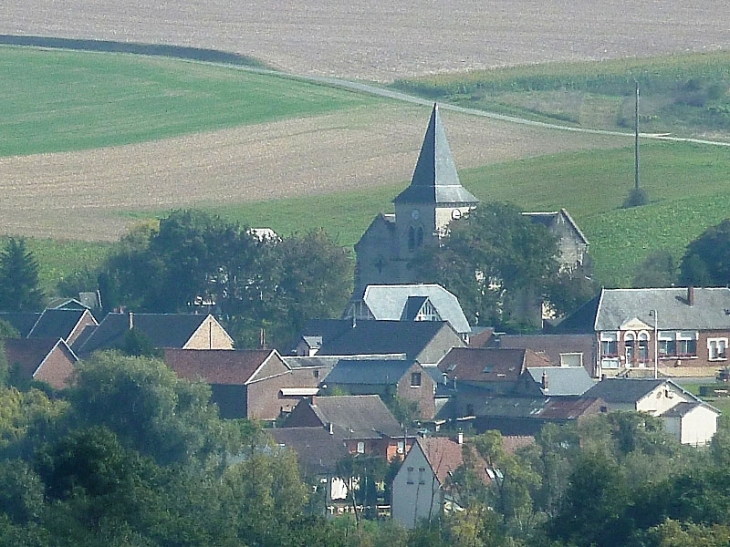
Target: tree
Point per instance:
(145, 404)
(706, 262)
(658, 269)
(492, 258)
(19, 288)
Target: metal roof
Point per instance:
(562, 381)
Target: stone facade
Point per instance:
(423, 211)
(210, 335)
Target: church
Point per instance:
(423, 211)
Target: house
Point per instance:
(409, 302)
(423, 341)
(388, 378)
(497, 371)
(71, 324)
(362, 421)
(423, 488)
(252, 384)
(319, 453)
(40, 359)
(687, 417)
(566, 350)
(572, 242)
(513, 414)
(423, 211)
(163, 330)
(680, 331)
(554, 382)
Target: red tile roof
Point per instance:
(217, 366)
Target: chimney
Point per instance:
(691, 295)
(544, 380)
(331, 428)
(460, 437)
(131, 320)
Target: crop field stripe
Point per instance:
(68, 100)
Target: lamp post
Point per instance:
(655, 315)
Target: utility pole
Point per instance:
(636, 138)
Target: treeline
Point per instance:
(257, 285)
(131, 455)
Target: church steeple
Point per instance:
(435, 179)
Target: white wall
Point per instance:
(416, 495)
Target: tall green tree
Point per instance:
(491, 258)
(706, 262)
(19, 287)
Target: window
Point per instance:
(415, 379)
(411, 238)
(686, 348)
(360, 447)
(643, 349)
(609, 344)
(571, 359)
(717, 349)
(409, 477)
(421, 475)
(629, 347)
(678, 344)
(401, 447)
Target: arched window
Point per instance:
(630, 347)
(643, 349)
(411, 238)
(419, 237)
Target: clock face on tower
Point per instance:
(415, 214)
(456, 214)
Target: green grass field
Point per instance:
(685, 94)
(57, 101)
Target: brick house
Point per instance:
(40, 359)
(681, 331)
(252, 384)
(363, 422)
(403, 378)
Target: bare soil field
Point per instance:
(79, 195)
(384, 40)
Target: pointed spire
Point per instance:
(435, 179)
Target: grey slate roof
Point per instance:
(562, 381)
(56, 323)
(357, 416)
(612, 308)
(317, 450)
(435, 179)
(383, 337)
(402, 302)
(548, 219)
(368, 371)
(163, 330)
(681, 409)
(21, 321)
(625, 390)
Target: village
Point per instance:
(401, 375)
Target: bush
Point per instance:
(636, 198)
